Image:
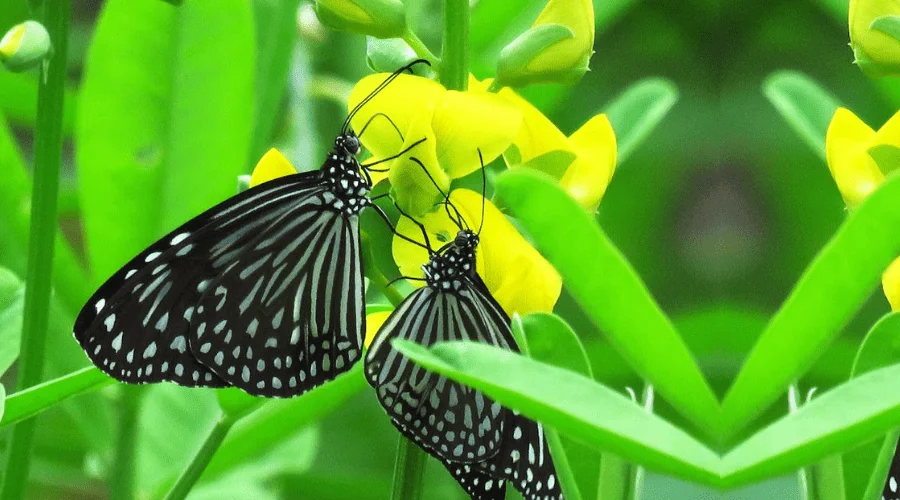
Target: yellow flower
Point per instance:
(373, 324)
(516, 274)
(584, 162)
(873, 30)
(378, 18)
(556, 49)
(849, 148)
(272, 165)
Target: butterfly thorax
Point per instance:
(454, 264)
(347, 190)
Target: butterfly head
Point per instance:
(454, 263)
(347, 144)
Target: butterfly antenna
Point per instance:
(367, 166)
(393, 76)
(386, 117)
(483, 190)
(458, 220)
(421, 228)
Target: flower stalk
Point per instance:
(455, 66)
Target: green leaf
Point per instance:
(164, 121)
(637, 111)
(829, 293)
(12, 293)
(833, 422)
(610, 292)
(18, 101)
(880, 469)
(804, 104)
(886, 156)
(889, 25)
(34, 400)
(2, 401)
(880, 348)
(552, 341)
(585, 410)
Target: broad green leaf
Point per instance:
(804, 104)
(276, 35)
(584, 410)
(831, 290)
(855, 412)
(867, 464)
(28, 403)
(165, 118)
(279, 419)
(610, 292)
(637, 111)
(552, 341)
(2, 401)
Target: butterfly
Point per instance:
(892, 484)
(481, 443)
(263, 291)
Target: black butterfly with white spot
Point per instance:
(480, 442)
(892, 484)
(263, 291)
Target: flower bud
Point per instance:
(875, 36)
(557, 48)
(378, 18)
(25, 46)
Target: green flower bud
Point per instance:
(25, 46)
(384, 55)
(875, 36)
(378, 18)
(557, 48)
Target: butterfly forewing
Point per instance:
(892, 484)
(287, 315)
(136, 327)
(455, 421)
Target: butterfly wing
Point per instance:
(454, 421)
(892, 484)
(135, 327)
(287, 314)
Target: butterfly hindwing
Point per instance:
(892, 484)
(287, 314)
(457, 422)
(136, 326)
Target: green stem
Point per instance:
(198, 464)
(121, 478)
(408, 471)
(455, 56)
(421, 49)
(47, 157)
(805, 475)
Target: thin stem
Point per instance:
(121, 479)
(421, 49)
(198, 464)
(805, 475)
(455, 61)
(47, 157)
(408, 471)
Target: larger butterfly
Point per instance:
(263, 291)
(892, 484)
(482, 444)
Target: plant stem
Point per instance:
(47, 157)
(121, 478)
(455, 56)
(198, 464)
(805, 475)
(408, 471)
(421, 49)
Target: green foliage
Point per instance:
(638, 110)
(805, 105)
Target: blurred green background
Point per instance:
(719, 211)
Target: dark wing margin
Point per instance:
(456, 422)
(135, 327)
(892, 483)
(288, 314)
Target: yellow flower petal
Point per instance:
(588, 176)
(537, 135)
(272, 165)
(873, 48)
(519, 277)
(399, 102)
(891, 284)
(846, 149)
(373, 324)
(416, 189)
(466, 122)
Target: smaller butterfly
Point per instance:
(892, 485)
(481, 443)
